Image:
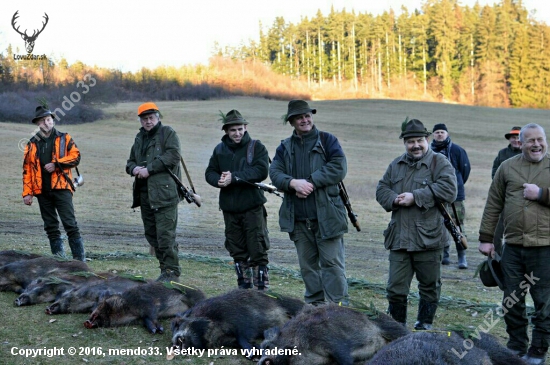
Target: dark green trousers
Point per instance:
(406, 264)
(246, 236)
(160, 231)
(322, 264)
(525, 271)
(60, 202)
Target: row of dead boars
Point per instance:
(270, 328)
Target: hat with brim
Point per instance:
(490, 272)
(298, 107)
(514, 132)
(232, 117)
(413, 128)
(147, 108)
(41, 112)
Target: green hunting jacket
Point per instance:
(526, 222)
(239, 196)
(418, 227)
(328, 169)
(151, 149)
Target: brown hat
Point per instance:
(297, 107)
(514, 132)
(413, 128)
(232, 117)
(490, 272)
(41, 112)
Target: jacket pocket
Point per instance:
(430, 234)
(390, 235)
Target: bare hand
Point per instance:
(225, 179)
(486, 248)
(136, 170)
(50, 167)
(27, 199)
(404, 199)
(531, 191)
(143, 173)
(303, 187)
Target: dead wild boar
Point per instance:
(499, 354)
(47, 289)
(148, 303)
(16, 276)
(430, 348)
(329, 334)
(234, 319)
(86, 297)
(9, 256)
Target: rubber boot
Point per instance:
(56, 245)
(77, 248)
(426, 314)
(261, 278)
(445, 260)
(535, 355)
(244, 275)
(398, 311)
(462, 263)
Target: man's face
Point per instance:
(302, 123)
(440, 135)
(149, 121)
(534, 144)
(514, 141)
(45, 124)
(416, 146)
(236, 132)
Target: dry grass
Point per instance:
(367, 129)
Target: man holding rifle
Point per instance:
(235, 165)
(157, 148)
(308, 166)
(410, 189)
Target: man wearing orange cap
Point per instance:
(156, 149)
(504, 154)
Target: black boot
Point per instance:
(56, 246)
(244, 275)
(398, 311)
(446, 256)
(77, 248)
(261, 279)
(426, 314)
(462, 262)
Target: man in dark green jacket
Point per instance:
(416, 235)
(308, 167)
(235, 165)
(156, 149)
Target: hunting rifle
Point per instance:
(185, 193)
(455, 230)
(265, 187)
(345, 198)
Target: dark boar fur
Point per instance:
(47, 289)
(234, 319)
(442, 348)
(16, 276)
(499, 354)
(148, 303)
(330, 335)
(86, 297)
(9, 256)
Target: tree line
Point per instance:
(492, 55)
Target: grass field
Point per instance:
(368, 131)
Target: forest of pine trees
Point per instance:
(496, 56)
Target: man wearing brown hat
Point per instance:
(458, 157)
(49, 157)
(512, 150)
(156, 148)
(416, 234)
(308, 167)
(235, 165)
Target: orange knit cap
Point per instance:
(147, 108)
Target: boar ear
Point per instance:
(199, 326)
(271, 333)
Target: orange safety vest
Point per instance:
(65, 152)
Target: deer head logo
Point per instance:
(29, 40)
